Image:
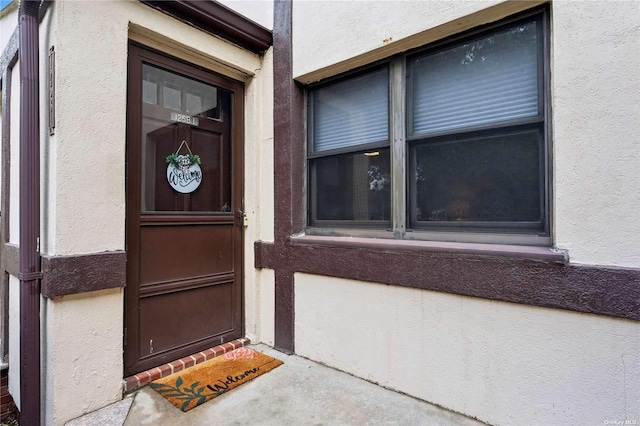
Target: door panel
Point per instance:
(184, 250)
(170, 320)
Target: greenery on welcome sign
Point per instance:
(173, 159)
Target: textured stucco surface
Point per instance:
(14, 339)
(260, 12)
(8, 22)
(328, 32)
(83, 353)
(14, 169)
(258, 192)
(499, 362)
(267, 306)
(596, 124)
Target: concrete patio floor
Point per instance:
(300, 392)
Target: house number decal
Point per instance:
(183, 171)
(181, 118)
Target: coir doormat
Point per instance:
(194, 386)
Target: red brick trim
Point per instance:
(139, 380)
(7, 406)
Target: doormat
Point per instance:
(196, 385)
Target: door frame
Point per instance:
(138, 54)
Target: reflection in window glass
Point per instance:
(149, 92)
(486, 81)
(353, 187)
(171, 97)
(494, 179)
(194, 104)
(180, 93)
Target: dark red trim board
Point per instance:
(591, 289)
(64, 275)
(288, 165)
(217, 19)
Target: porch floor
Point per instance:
(300, 392)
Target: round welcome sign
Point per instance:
(183, 171)
(184, 180)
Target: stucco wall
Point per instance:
(258, 196)
(14, 339)
(260, 12)
(596, 119)
(84, 354)
(595, 94)
(502, 363)
(14, 158)
(8, 21)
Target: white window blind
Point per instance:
(352, 112)
(490, 80)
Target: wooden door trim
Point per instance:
(138, 54)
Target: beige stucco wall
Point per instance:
(8, 21)
(259, 11)
(595, 94)
(258, 195)
(83, 366)
(503, 363)
(14, 339)
(596, 119)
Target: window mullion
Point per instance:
(398, 147)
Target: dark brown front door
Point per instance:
(184, 224)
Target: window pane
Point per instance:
(352, 187)
(352, 112)
(490, 80)
(493, 179)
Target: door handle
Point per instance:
(241, 219)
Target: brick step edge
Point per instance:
(139, 380)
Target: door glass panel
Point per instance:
(191, 120)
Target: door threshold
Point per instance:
(142, 379)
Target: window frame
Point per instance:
(311, 154)
(402, 141)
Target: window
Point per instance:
(446, 143)
(349, 153)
